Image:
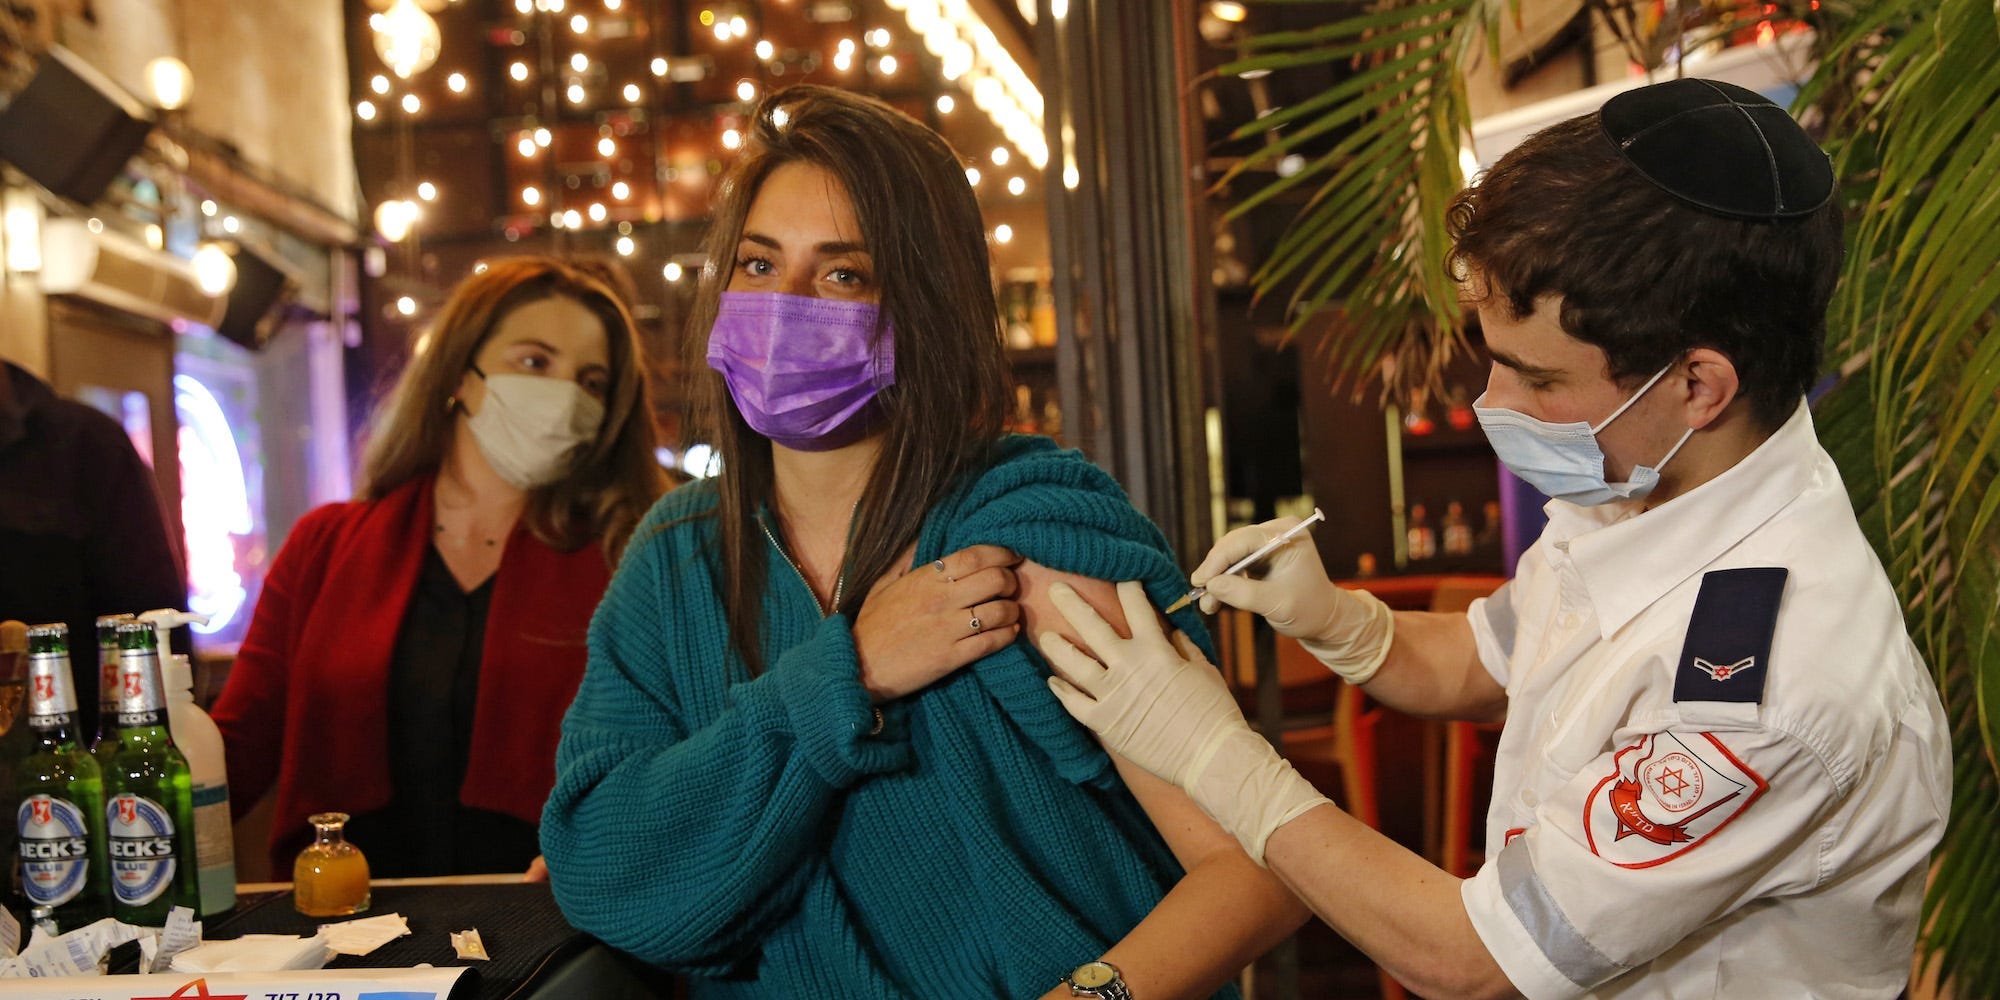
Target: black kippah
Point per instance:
(1721, 148)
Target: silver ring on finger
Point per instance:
(975, 625)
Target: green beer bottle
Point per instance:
(60, 822)
(149, 795)
(107, 685)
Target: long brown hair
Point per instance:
(609, 484)
(922, 227)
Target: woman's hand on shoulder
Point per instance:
(922, 624)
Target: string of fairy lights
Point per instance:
(973, 62)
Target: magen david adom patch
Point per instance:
(1666, 794)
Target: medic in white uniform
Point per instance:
(1723, 765)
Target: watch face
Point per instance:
(1094, 975)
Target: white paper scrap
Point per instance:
(78, 953)
(182, 932)
(468, 945)
(10, 934)
(359, 937)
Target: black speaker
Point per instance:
(71, 129)
(251, 317)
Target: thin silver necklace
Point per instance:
(839, 582)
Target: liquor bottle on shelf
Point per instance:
(1015, 301)
(1457, 530)
(1042, 314)
(1023, 420)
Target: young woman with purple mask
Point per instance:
(811, 755)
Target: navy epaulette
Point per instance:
(1729, 635)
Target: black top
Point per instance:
(82, 529)
(433, 688)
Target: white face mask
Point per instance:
(1563, 461)
(529, 426)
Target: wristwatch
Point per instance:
(1097, 979)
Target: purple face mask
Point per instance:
(803, 371)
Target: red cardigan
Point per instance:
(306, 702)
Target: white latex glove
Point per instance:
(1348, 630)
(1162, 706)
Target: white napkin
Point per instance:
(359, 937)
(255, 953)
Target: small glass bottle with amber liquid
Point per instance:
(330, 877)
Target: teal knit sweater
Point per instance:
(748, 832)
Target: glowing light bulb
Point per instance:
(365, 111)
(621, 190)
(945, 104)
(519, 71)
(531, 196)
(606, 147)
(1003, 233)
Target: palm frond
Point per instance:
(1912, 92)
(1368, 248)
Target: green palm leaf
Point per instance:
(1915, 422)
(1369, 244)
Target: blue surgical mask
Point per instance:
(1563, 460)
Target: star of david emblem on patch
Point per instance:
(1664, 796)
(1724, 671)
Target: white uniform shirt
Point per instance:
(1656, 848)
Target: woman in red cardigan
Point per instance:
(413, 651)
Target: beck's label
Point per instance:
(55, 850)
(142, 848)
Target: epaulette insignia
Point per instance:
(1729, 635)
